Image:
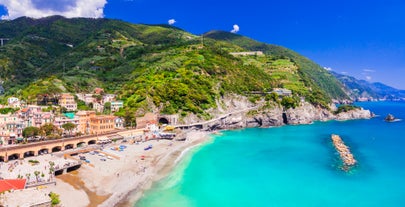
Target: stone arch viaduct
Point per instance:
(44, 147)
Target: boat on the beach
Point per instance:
(148, 147)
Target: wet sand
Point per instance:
(74, 180)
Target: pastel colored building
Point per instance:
(11, 127)
(61, 120)
(102, 124)
(84, 121)
(68, 101)
(116, 105)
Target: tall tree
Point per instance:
(107, 107)
(68, 127)
(30, 131)
(48, 129)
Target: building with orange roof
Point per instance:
(98, 91)
(12, 184)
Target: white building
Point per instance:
(116, 105)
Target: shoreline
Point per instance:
(162, 171)
(122, 181)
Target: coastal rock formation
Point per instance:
(389, 118)
(306, 114)
(354, 114)
(267, 118)
(235, 111)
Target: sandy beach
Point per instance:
(112, 175)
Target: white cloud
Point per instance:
(369, 70)
(44, 8)
(235, 28)
(327, 68)
(344, 73)
(368, 78)
(171, 21)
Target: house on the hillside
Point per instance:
(68, 101)
(108, 98)
(86, 97)
(116, 105)
(99, 91)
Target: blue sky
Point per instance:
(365, 39)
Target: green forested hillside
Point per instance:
(149, 66)
(322, 83)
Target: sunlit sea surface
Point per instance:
(292, 166)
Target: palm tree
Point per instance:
(36, 173)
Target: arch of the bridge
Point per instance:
(29, 154)
(69, 146)
(14, 156)
(93, 141)
(2, 158)
(79, 144)
(56, 148)
(43, 151)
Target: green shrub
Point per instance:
(54, 198)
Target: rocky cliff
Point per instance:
(276, 116)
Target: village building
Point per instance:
(61, 120)
(87, 98)
(11, 128)
(98, 107)
(119, 123)
(116, 105)
(99, 91)
(68, 101)
(102, 124)
(40, 118)
(27, 115)
(84, 121)
(143, 122)
(108, 98)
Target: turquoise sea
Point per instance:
(292, 166)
